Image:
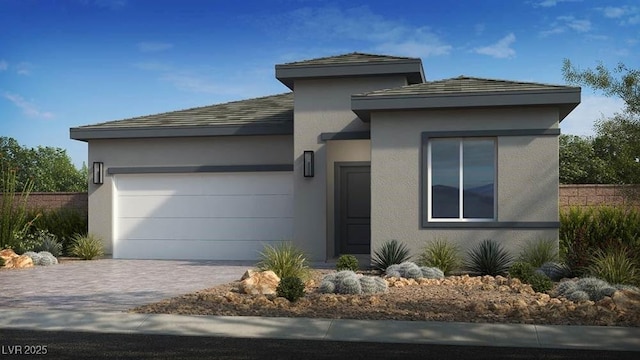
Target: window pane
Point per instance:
(478, 178)
(445, 178)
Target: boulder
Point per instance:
(626, 301)
(8, 255)
(248, 274)
(264, 282)
(22, 261)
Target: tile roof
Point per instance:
(464, 85)
(351, 58)
(268, 110)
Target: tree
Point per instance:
(579, 163)
(49, 168)
(617, 140)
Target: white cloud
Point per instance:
(153, 46)
(614, 12)
(591, 109)
(361, 24)
(551, 3)
(28, 108)
(501, 49)
(23, 68)
(564, 23)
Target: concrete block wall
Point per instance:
(597, 195)
(57, 200)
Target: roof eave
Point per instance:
(88, 133)
(411, 68)
(565, 99)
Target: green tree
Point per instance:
(579, 163)
(49, 168)
(617, 138)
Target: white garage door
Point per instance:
(217, 216)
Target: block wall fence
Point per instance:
(570, 195)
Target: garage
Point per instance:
(214, 216)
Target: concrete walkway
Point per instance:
(417, 332)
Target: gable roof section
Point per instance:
(467, 92)
(269, 115)
(351, 65)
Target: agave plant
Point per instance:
(488, 258)
(389, 253)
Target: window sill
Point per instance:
(491, 225)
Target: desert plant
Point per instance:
(540, 282)
(554, 271)
(521, 270)
(348, 282)
(14, 220)
(87, 247)
(46, 259)
(389, 253)
(285, 259)
(539, 252)
(63, 223)
(440, 254)
(410, 270)
(290, 288)
(35, 257)
(40, 240)
(594, 288)
(614, 265)
(347, 262)
(488, 258)
(578, 254)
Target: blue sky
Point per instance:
(67, 63)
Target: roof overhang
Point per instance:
(88, 133)
(410, 68)
(565, 100)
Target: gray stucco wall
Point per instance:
(527, 182)
(229, 150)
(323, 105)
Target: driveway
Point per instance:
(111, 284)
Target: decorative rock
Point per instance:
(8, 254)
(264, 282)
(22, 261)
(248, 274)
(626, 301)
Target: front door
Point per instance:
(353, 190)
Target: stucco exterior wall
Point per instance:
(229, 150)
(527, 182)
(323, 105)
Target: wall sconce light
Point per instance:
(308, 163)
(98, 172)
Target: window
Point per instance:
(461, 179)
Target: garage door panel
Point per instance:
(206, 206)
(228, 229)
(190, 250)
(193, 184)
(202, 215)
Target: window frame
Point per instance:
(460, 142)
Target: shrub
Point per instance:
(389, 253)
(14, 220)
(87, 247)
(614, 265)
(284, 259)
(40, 240)
(540, 282)
(290, 288)
(442, 255)
(555, 271)
(63, 223)
(347, 262)
(348, 282)
(521, 270)
(578, 254)
(488, 258)
(539, 252)
(50, 244)
(588, 288)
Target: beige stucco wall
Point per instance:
(226, 150)
(527, 182)
(323, 105)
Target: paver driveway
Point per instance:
(111, 284)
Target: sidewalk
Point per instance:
(417, 332)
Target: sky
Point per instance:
(66, 63)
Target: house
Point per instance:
(361, 151)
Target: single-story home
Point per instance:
(362, 150)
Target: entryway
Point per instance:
(353, 207)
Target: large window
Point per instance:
(461, 179)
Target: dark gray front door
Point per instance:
(354, 209)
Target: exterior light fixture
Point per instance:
(98, 173)
(307, 159)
